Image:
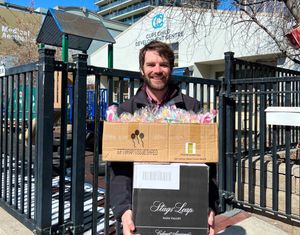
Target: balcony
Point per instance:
(120, 4)
(102, 2)
(130, 11)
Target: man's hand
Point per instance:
(127, 221)
(211, 222)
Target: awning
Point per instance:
(81, 30)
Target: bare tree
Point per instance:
(276, 18)
(282, 16)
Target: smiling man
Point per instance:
(156, 61)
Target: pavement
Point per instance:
(235, 222)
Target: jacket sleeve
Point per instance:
(121, 187)
(213, 188)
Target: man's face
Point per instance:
(156, 71)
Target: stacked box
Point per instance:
(170, 198)
(160, 142)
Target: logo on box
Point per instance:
(190, 148)
(137, 138)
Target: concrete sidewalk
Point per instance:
(239, 222)
(11, 226)
(236, 222)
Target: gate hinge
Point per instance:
(228, 195)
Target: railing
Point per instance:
(51, 183)
(60, 199)
(251, 148)
(128, 9)
(17, 159)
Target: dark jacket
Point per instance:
(122, 172)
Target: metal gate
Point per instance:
(258, 167)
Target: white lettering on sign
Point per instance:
(15, 33)
(163, 232)
(161, 35)
(179, 208)
(2, 71)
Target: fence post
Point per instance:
(45, 86)
(227, 131)
(78, 149)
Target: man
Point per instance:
(156, 61)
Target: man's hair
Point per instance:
(161, 48)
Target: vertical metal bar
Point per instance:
(5, 155)
(11, 139)
(63, 145)
(78, 147)
(29, 149)
(202, 96)
(1, 134)
(275, 142)
(187, 85)
(246, 123)
(16, 167)
(23, 153)
(45, 141)
(239, 144)
(121, 90)
(107, 166)
(118, 227)
(269, 103)
(110, 90)
(107, 198)
(208, 97)
(110, 56)
(251, 183)
(96, 155)
(262, 144)
(255, 119)
(131, 89)
(65, 48)
(229, 124)
(288, 178)
(195, 90)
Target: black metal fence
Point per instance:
(52, 184)
(48, 179)
(260, 167)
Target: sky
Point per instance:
(80, 3)
(52, 3)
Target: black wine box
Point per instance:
(170, 198)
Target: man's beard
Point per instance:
(157, 87)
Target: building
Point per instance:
(199, 47)
(275, 6)
(18, 28)
(130, 11)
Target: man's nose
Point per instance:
(157, 68)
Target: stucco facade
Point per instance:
(200, 38)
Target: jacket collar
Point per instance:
(174, 96)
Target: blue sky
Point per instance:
(52, 3)
(81, 3)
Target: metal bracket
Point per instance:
(228, 195)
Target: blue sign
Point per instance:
(158, 21)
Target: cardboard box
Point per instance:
(160, 142)
(170, 198)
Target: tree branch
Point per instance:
(274, 38)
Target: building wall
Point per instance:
(16, 27)
(199, 43)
